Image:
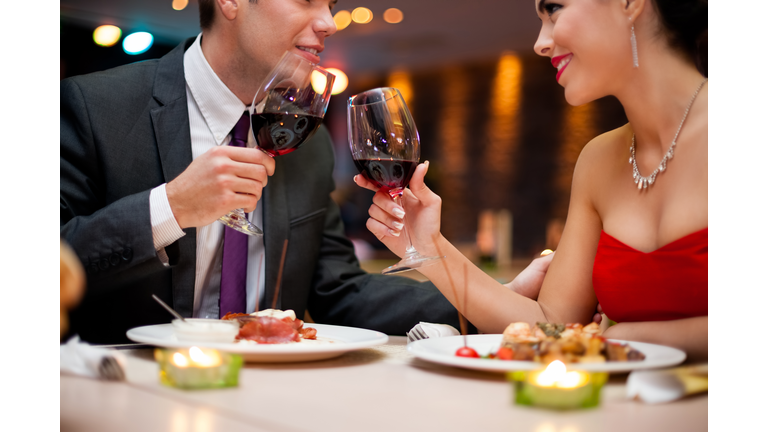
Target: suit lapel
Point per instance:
(171, 125)
(276, 228)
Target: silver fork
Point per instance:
(416, 333)
(110, 369)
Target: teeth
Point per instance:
(563, 62)
(309, 50)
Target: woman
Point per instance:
(635, 239)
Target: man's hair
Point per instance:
(208, 12)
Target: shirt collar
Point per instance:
(220, 107)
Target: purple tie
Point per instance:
(234, 262)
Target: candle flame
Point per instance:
(180, 360)
(199, 358)
(555, 375)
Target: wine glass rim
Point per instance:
(395, 94)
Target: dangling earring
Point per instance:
(633, 41)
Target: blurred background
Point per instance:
(501, 140)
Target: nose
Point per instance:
(324, 23)
(544, 45)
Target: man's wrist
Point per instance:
(165, 228)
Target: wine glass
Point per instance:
(286, 111)
(385, 147)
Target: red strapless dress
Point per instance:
(666, 284)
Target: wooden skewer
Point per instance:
(280, 274)
(258, 281)
(462, 320)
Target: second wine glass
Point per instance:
(286, 111)
(385, 147)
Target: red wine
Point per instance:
(387, 173)
(279, 134)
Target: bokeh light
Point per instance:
(107, 35)
(362, 15)
(179, 4)
(137, 43)
(342, 19)
(393, 15)
(341, 82)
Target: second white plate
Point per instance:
(442, 351)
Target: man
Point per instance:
(146, 171)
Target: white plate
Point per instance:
(442, 350)
(344, 339)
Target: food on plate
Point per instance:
(466, 351)
(271, 326)
(569, 343)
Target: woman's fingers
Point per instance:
(361, 181)
(393, 223)
(418, 187)
(380, 230)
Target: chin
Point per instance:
(577, 97)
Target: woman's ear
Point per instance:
(633, 8)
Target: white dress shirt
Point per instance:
(213, 112)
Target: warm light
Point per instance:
(555, 375)
(362, 15)
(201, 359)
(137, 43)
(107, 35)
(401, 80)
(393, 15)
(341, 81)
(546, 252)
(180, 360)
(342, 19)
(319, 81)
(179, 4)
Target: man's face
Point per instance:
(267, 28)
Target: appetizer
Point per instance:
(271, 326)
(569, 343)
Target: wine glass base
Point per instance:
(411, 263)
(240, 223)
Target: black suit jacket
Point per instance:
(125, 131)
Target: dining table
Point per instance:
(382, 388)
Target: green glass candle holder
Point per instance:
(583, 394)
(198, 368)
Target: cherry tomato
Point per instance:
(505, 353)
(467, 352)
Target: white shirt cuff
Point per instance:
(165, 229)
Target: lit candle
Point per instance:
(556, 387)
(196, 368)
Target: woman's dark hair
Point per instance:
(686, 22)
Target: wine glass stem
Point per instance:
(397, 196)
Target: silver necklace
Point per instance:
(643, 182)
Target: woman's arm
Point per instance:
(566, 296)
(689, 335)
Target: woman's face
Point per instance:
(589, 44)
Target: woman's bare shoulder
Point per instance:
(601, 150)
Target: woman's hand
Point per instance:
(420, 211)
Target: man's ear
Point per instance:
(228, 8)
(633, 8)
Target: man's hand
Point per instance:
(222, 179)
(528, 282)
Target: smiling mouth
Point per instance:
(563, 63)
(309, 50)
